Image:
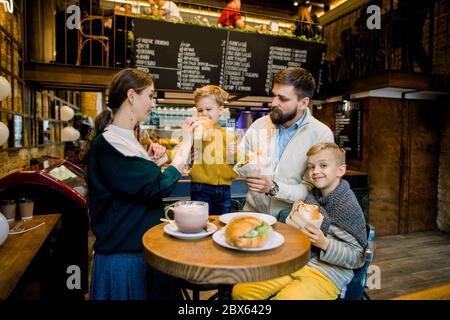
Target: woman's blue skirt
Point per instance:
(127, 276)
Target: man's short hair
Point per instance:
(302, 80)
(338, 152)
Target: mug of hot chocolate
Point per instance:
(188, 216)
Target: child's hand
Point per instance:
(316, 237)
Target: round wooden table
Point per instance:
(204, 261)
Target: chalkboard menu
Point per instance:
(348, 128)
(185, 57)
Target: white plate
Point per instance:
(172, 230)
(274, 241)
(225, 218)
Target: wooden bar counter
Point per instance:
(18, 251)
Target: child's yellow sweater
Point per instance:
(214, 166)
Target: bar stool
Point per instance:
(83, 38)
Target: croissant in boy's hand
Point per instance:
(303, 213)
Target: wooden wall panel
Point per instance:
(325, 114)
(443, 192)
(383, 117)
(424, 166)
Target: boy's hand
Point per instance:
(316, 237)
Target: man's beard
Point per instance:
(277, 116)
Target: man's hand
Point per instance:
(156, 151)
(316, 237)
(259, 183)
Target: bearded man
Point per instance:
(284, 136)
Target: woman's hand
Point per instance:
(195, 155)
(316, 237)
(156, 151)
(188, 130)
(183, 153)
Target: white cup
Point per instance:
(189, 216)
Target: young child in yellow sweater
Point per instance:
(212, 171)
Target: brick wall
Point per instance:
(20, 159)
(443, 201)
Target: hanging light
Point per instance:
(4, 133)
(5, 91)
(69, 133)
(5, 88)
(67, 113)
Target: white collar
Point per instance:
(124, 141)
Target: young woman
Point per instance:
(126, 188)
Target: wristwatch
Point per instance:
(274, 190)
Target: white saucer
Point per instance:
(274, 240)
(267, 218)
(172, 230)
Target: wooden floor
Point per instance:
(408, 263)
(411, 262)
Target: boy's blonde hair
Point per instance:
(216, 92)
(339, 153)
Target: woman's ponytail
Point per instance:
(102, 120)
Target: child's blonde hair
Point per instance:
(216, 92)
(339, 153)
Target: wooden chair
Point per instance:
(83, 38)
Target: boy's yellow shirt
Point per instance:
(214, 169)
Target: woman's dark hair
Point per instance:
(302, 80)
(118, 90)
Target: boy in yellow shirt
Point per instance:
(212, 171)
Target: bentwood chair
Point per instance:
(86, 34)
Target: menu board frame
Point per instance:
(348, 128)
(183, 57)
